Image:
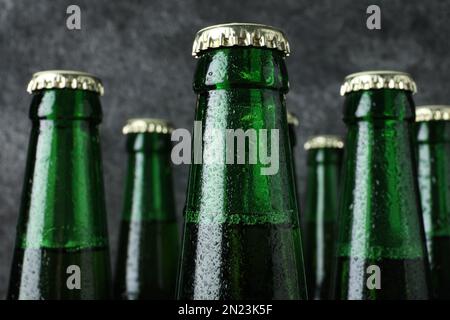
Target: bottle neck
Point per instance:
(242, 90)
(149, 192)
(380, 200)
(379, 105)
(63, 198)
(433, 132)
(66, 104)
(241, 67)
(148, 143)
(324, 156)
(323, 173)
(433, 153)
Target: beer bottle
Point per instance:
(148, 243)
(241, 236)
(62, 244)
(324, 157)
(381, 250)
(433, 146)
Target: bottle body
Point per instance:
(381, 251)
(62, 244)
(148, 243)
(241, 237)
(321, 211)
(433, 147)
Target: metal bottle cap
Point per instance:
(433, 113)
(240, 34)
(324, 141)
(383, 79)
(147, 125)
(65, 79)
(292, 119)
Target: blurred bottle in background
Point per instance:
(433, 150)
(324, 159)
(149, 241)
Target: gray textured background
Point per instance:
(141, 50)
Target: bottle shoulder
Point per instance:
(379, 105)
(65, 104)
(238, 67)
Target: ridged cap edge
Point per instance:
(324, 141)
(384, 79)
(65, 79)
(292, 119)
(433, 113)
(240, 34)
(147, 125)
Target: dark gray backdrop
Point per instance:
(142, 52)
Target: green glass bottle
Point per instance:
(323, 172)
(433, 147)
(62, 243)
(148, 244)
(241, 236)
(381, 250)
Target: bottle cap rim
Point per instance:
(292, 119)
(433, 113)
(324, 141)
(147, 125)
(65, 79)
(378, 79)
(240, 34)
